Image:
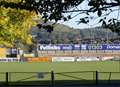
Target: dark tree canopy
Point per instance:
(54, 9)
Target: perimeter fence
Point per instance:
(61, 78)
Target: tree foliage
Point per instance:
(65, 35)
(14, 26)
(54, 9)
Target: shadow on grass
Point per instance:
(62, 83)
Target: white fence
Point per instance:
(63, 59)
(80, 59)
(9, 60)
(87, 59)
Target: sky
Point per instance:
(93, 22)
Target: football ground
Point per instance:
(101, 66)
(65, 72)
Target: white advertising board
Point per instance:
(9, 60)
(63, 59)
(87, 59)
(107, 58)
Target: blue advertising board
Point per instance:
(113, 47)
(80, 47)
(77, 47)
(103, 47)
(60, 47)
(49, 47)
(83, 46)
(94, 47)
(66, 47)
(13, 51)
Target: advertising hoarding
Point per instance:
(113, 47)
(80, 47)
(63, 59)
(66, 47)
(49, 47)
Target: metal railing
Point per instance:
(62, 78)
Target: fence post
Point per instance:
(52, 78)
(96, 77)
(7, 81)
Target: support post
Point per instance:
(52, 78)
(96, 77)
(7, 81)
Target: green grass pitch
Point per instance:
(73, 70)
(102, 66)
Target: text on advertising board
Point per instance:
(49, 47)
